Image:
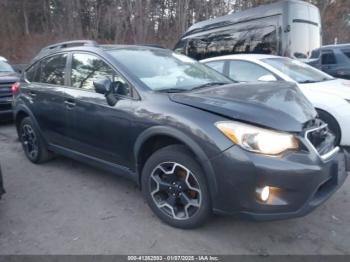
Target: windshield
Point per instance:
(164, 70)
(298, 71)
(5, 67)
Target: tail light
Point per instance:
(15, 88)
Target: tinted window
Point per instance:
(160, 69)
(243, 71)
(217, 66)
(33, 73)
(53, 70)
(346, 52)
(86, 68)
(328, 58)
(254, 37)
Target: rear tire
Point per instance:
(175, 188)
(33, 145)
(332, 124)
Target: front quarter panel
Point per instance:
(184, 121)
(192, 127)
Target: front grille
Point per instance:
(319, 136)
(5, 90)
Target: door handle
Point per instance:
(70, 103)
(32, 93)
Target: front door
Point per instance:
(100, 130)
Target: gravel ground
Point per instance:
(64, 207)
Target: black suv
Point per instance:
(332, 59)
(192, 139)
(8, 77)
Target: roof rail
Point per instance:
(72, 43)
(49, 49)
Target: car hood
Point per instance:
(338, 87)
(279, 106)
(6, 77)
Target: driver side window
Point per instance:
(86, 68)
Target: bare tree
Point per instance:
(28, 25)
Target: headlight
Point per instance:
(256, 139)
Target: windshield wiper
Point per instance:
(172, 90)
(178, 90)
(210, 84)
(308, 82)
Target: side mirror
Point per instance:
(267, 78)
(103, 85)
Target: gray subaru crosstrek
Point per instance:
(195, 141)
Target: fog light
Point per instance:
(263, 193)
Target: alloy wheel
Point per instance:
(175, 190)
(29, 141)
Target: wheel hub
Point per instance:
(176, 189)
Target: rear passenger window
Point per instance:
(86, 68)
(217, 66)
(328, 58)
(53, 70)
(33, 73)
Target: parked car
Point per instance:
(3, 59)
(7, 78)
(267, 29)
(195, 141)
(2, 190)
(332, 59)
(330, 96)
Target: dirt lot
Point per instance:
(64, 207)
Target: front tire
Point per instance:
(175, 188)
(33, 145)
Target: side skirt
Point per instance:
(96, 162)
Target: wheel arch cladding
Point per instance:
(157, 137)
(20, 115)
(23, 112)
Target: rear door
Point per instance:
(45, 93)
(305, 30)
